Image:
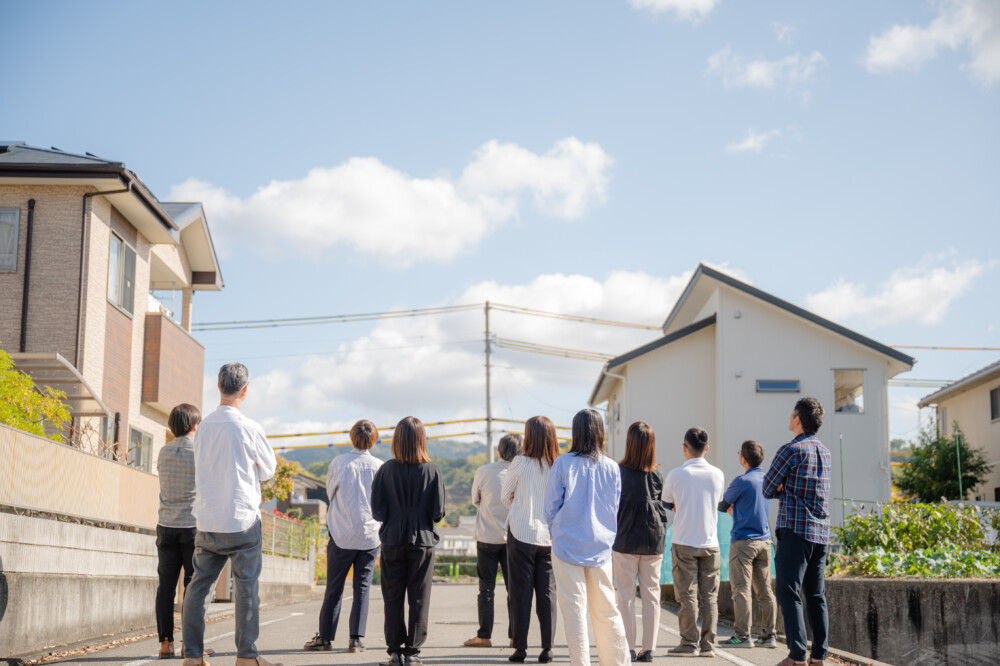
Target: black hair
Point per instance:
(696, 440)
(183, 418)
(752, 452)
(588, 434)
(810, 414)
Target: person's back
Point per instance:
(176, 472)
(491, 512)
(349, 489)
(695, 489)
(585, 526)
(409, 499)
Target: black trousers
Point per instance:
(531, 573)
(407, 572)
(488, 557)
(174, 550)
(338, 562)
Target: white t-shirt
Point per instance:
(695, 489)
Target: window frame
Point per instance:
(775, 386)
(995, 402)
(17, 237)
(862, 408)
(145, 462)
(126, 306)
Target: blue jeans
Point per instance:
(799, 565)
(211, 550)
(338, 562)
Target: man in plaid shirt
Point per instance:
(800, 478)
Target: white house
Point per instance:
(974, 403)
(733, 360)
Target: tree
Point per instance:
(25, 406)
(281, 484)
(932, 472)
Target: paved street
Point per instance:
(453, 619)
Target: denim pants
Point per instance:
(800, 565)
(338, 562)
(211, 550)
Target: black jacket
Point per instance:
(408, 500)
(642, 518)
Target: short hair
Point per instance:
(409, 442)
(588, 434)
(183, 418)
(540, 441)
(810, 414)
(752, 452)
(364, 434)
(233, 377)
(510, 446)
(640, 448)
(696, 440)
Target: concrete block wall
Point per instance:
(64, 582)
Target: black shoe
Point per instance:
(645, 655)
(317, 644)
(631, 655)
(518, 657)
(412, 659)
(394, 660)
(356, 645)
(546, 656)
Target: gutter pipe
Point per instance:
(27, 277)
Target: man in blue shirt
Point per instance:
(750, 549)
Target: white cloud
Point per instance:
(921, 294)
(433, 366)
(737, 71)
(972, 24)
(688, 10)
(783, 31)
(383, 212)
(753, 142)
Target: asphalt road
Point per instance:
(285, 628)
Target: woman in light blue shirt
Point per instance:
(581, 508)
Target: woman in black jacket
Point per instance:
(642, 528)
(408, 499)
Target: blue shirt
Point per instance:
(581, 508)
(746, 495)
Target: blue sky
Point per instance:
(579, 157)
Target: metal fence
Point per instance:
(285, 536)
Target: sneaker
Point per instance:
(412, 659)
(767, 642)
(317, 644)
(356, 645)
(683, 651)
(735, 642)
(707, 652)
(394, 659)
(476, 641)
(644, 656)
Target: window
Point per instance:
(140, 450)
(777, 386)
(10, 223)
(849, 391)
(995, 404)
(121, 274)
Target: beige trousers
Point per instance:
(645, 568)
(750, 568)
(696, 589)
(589, 589)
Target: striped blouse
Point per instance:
(526, 481)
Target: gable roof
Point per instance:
(969, 382)
(704, 271)
(645, 349)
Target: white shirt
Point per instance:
(231, 457)
(526, 480)
(695, 488)
(491, 517)
(349, 488)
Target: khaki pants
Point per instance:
(750, 568)
(645, 568)
(696, 589)
(589, 589)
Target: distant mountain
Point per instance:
(438, 448)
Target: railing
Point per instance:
(286, 536)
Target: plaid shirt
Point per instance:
(175, 467)
(803, 467)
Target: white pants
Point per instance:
(589, 589)
(645, 568)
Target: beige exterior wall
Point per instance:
(971, 410)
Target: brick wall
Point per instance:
(117, 368)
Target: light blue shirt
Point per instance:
(581, 508)
(349, 488)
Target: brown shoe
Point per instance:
(476, 641)
(816, 662)
(788, 661)
(191, 661)
(259, 661)
(167, 650)
(207, 652)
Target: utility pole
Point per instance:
(489, 397)
(958, 460)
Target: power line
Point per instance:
(550, 350)
(515, 309)
(330, 319)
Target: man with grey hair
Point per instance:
(232, 458)
(491, 535)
